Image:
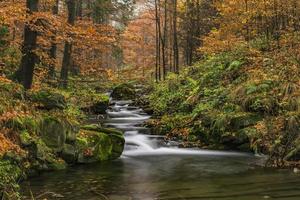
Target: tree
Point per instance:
(53, 48)
(66, 64)
(29, 58)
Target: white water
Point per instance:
(138, 143)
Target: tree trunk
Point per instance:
(29, 58)
(53, 48)
(66, 64)
(175, 38)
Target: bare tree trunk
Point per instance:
(175, 39)
(164, 41)
(53, 48)
(66, 64)
(25, 73)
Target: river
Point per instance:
(151, 169)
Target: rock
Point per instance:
(72, 130)
(95, 127)
(294, 154)
(39, 150)
(53, 133)
(49, 100)
(93, 147)
(123, 92)
(118, 143)
(100, 107)
(238, 140)
(57, 165)
(69, 153)
(95, 144)
(242, 120)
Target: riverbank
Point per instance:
(43, 130)
(236, 100)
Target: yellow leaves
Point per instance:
(5, 144)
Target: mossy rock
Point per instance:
(242, 120)
(72, 129)
(235, 140)
(49, 100)
(123, 92)
(69, 153)
(96, 144)
(53, 133)
(100, 107)
(93, 147)
(56, 165)
(294, 154)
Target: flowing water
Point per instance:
(151, 169)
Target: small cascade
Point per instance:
(139, 141)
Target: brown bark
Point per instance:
(29, 58)
(66, 64)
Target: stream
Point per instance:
(152, 169)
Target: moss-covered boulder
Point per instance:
(72, 129)
(53, 133)
(69, 153)
(48, 100)
(100, 107)
(237, 140)
(242, 120)
(123, 92)
(95, 144)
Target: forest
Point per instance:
(149, 99)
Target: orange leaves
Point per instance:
(7, 144)
(138, 44)
(12, 11)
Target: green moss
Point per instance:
(53, 133)
(96, 146)
(124, 92)
(49, 99)
(25, 138)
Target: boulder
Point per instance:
(93, 147)
(49, 100)
(72, 129)
(95, 144)
(237, 140)
(69, 153)
(100, 107)
(243, 120)
(123, 92)
(53, 133)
